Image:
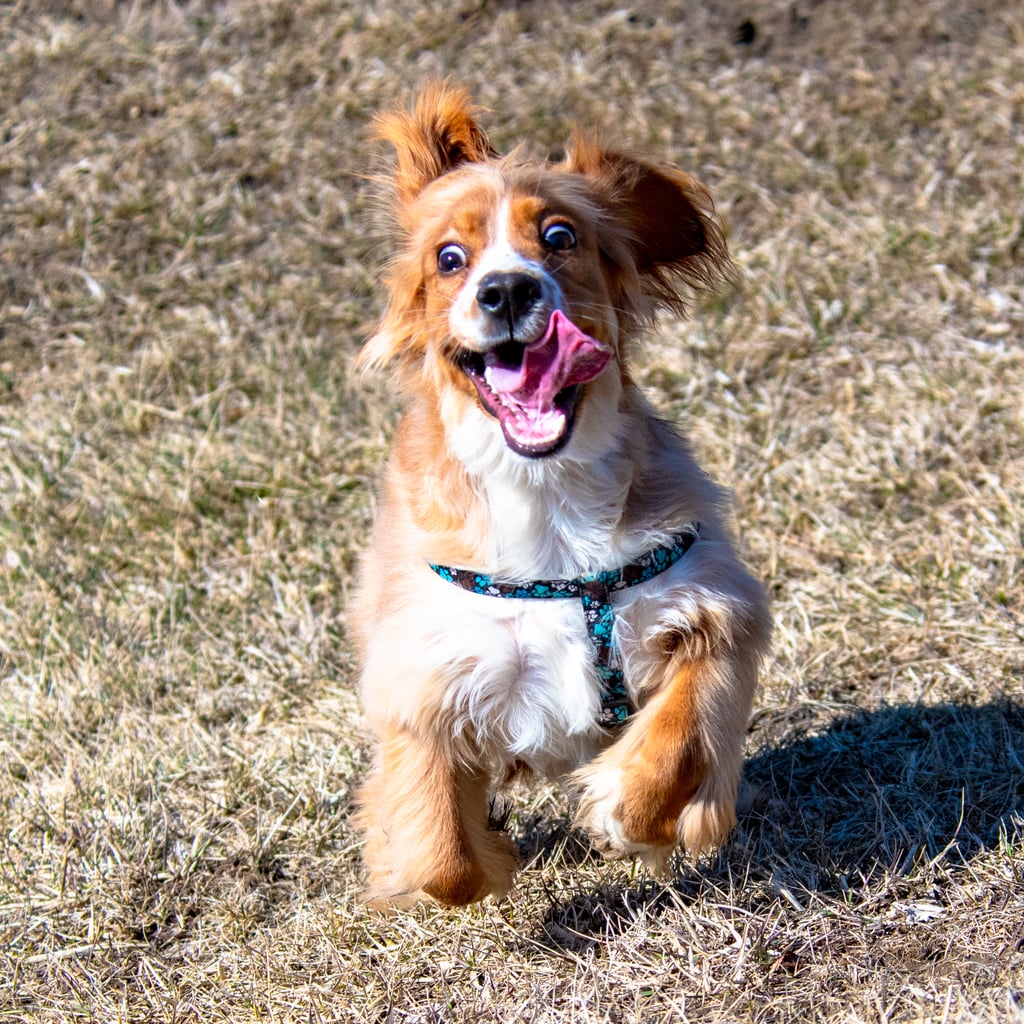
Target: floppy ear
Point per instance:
(669, 217)
(439, 134)
(435, 137)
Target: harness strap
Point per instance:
(593, 591)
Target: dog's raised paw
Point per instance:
(626, 814)
(599, 813)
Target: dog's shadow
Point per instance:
(887, 790)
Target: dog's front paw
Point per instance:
(600, 794)
(630, 812)
(603, 812)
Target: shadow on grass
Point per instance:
(889, 791)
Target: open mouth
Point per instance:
(532, 390)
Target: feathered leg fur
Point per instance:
(426, 821)
(672, 777)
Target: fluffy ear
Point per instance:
(396, 339)
(669, 217)
(436, 136)
(439, 134)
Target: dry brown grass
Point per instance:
(189, 252)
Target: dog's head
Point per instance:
(520, 282)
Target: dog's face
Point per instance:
(515, 301)
(520, 281)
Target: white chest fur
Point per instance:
(532, 693)
(553, 518)
(512, 680)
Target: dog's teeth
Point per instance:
(503, 378)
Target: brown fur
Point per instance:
(436, 137)
(670, 764)
(428, 831)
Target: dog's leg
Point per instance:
(426, 820)
(672, 777)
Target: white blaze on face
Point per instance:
(472, 327)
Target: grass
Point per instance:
(190, 249)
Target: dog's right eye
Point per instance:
(451, 258)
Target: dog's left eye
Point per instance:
(559, 237)
(451, 258)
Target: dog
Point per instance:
(551, 584)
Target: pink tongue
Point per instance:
(562, 357)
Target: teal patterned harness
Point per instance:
(593, 591)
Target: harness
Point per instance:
(593, 591)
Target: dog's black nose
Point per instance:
(508, 296)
